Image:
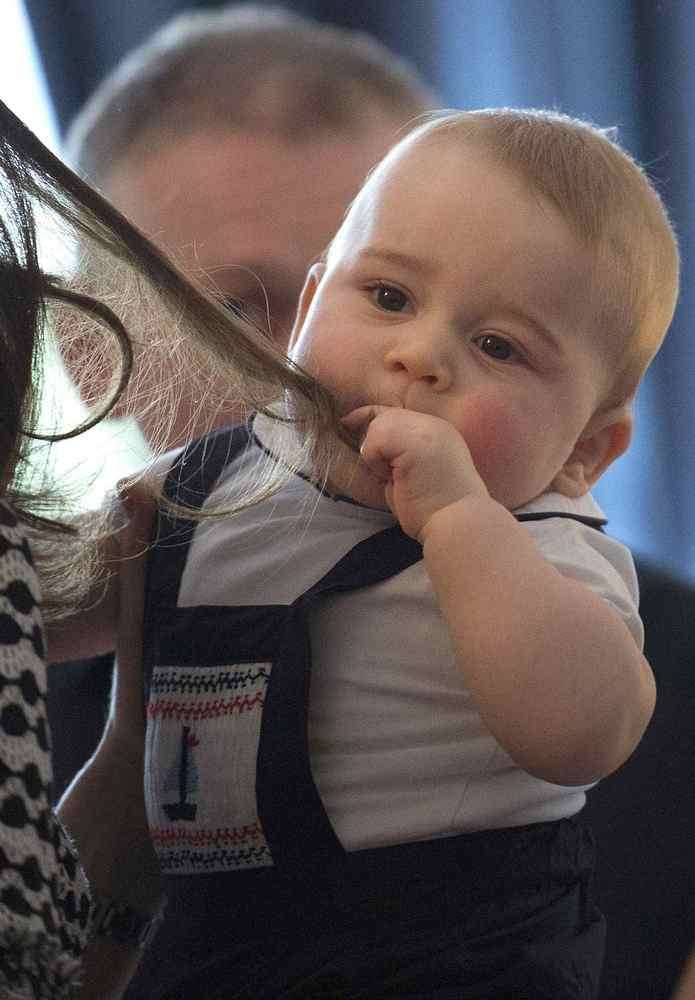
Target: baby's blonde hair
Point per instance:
(610, 204)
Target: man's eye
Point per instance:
(496, 347)
(249, 311)
(389, 298)
(236, 306)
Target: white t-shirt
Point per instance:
(398, 750)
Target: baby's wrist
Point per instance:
(464, 511)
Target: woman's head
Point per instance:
(150, 291)
(27, 293)
(124, 286)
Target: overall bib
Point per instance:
(271, 905)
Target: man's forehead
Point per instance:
(244, 198)
(263, 162)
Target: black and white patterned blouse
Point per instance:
(44, 899)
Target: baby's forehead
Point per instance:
(422, 165)
(428, 170)
(411, 155)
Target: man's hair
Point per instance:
(608, 201)
(244, 68)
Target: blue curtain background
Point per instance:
(621, 63)
(624, 64)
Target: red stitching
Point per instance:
(197, 710)
(165, 837)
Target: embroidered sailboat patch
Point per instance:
(203, 730)
(182, 779)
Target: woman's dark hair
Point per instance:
(31, 179)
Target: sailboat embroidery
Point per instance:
(182, 779)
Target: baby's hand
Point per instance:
(423, 461)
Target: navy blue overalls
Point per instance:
(286, 912)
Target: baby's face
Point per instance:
(453, 290)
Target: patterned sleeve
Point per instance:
(44, 900)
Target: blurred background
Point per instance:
(621, 63)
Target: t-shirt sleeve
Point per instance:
(584, 553)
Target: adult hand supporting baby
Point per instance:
(133, 544)
(423, 461)
(92, 629)
(104, 807)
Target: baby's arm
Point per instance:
(554, 671)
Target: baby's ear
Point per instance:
(605, 438)
(311, 283)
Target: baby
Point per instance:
(374, 701)
(483, 318)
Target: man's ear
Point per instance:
(605, 438)
(311, 283)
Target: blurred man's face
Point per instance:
(252, 211)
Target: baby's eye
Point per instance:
(389, 298)
(497, 347)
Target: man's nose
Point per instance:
(423, 355)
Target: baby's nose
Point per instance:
(423, 357)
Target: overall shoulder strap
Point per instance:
(189, 482)
(592, 522)
(200, 464)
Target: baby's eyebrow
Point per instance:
(404, 260)
(522, 316)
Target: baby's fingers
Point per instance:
(358, 421)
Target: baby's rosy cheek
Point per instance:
(492, 434)
(500, 444)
